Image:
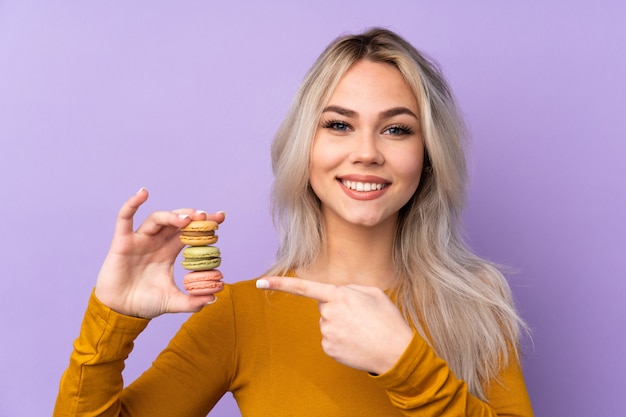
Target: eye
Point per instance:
(398, 130)
(336, 125)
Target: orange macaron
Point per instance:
(199, 233)
(203, 282)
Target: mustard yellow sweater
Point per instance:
(265, 349)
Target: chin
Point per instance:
(359, 218)
(368, 221)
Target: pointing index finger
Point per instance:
(298, 286)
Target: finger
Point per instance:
(157, 220)
(191, 303)
(217, 217)
(311, 289)
(124, 223)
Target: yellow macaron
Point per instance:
(199, 233)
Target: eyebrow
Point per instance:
(383, 115)
(340, 110)
(396, 111)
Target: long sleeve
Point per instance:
(176, 384)
(266, 350)
(422, 384)
(92, 383)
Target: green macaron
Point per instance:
(201, 258)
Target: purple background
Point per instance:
(98, 99)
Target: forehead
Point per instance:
(373, 86)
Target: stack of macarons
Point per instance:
(201, 258)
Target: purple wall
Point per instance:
(97, 100)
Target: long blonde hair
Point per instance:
(458, 302)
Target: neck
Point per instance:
(355, 255)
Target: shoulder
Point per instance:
(242, 308)
(234, 295)
(245, 301)
(244, 298)
(243, 293)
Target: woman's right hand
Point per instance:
(137, 276)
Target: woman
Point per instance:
(375, 307)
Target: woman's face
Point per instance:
(367, 152)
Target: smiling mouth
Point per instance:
(363, 186)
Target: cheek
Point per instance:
(409, 166)
(323, 159)
(316, 168)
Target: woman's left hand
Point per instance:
(360, 325)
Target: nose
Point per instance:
(367, 149)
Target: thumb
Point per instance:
(191, 303)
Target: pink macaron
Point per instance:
(203, 282)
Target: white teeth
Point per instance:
(363, 186)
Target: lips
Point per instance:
(363, 187)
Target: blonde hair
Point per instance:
(458, 302)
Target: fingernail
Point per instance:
(262, 284)
(140, 190)
(223, 212)
(212, 301)
(200, 212)
(183, 216)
